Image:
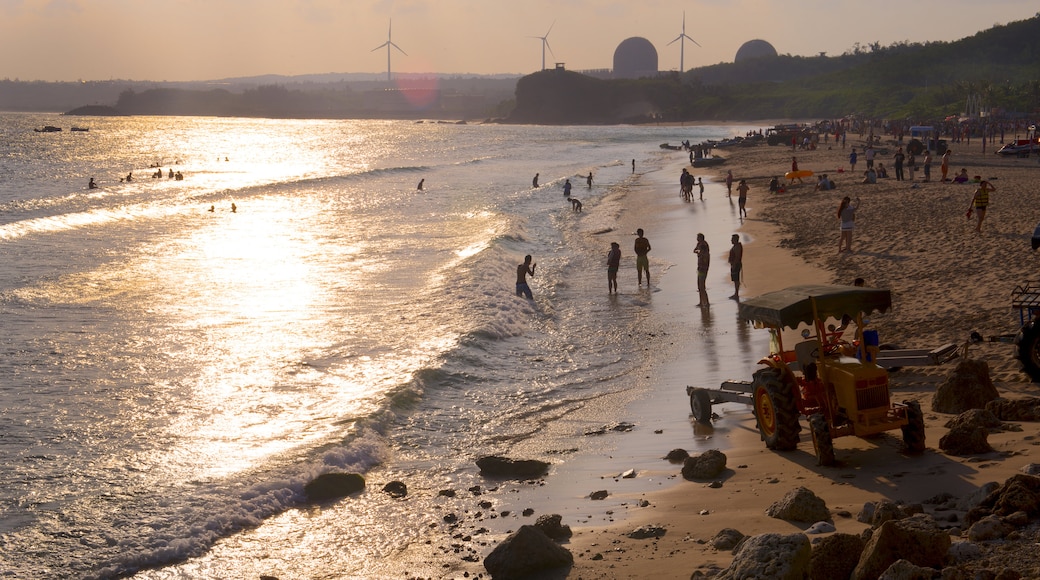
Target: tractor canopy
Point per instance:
(794, 305)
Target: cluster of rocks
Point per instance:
(903, 541)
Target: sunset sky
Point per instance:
(182, 40)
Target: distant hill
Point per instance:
(999, 66)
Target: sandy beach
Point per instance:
(946, 280)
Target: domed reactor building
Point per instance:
(754, 49)
(634, 58)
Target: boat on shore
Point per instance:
(708, 161)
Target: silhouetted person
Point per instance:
(92, 185)
(589, 180)
(421, 184)
(534, 182)
(234, 208)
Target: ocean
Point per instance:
(181, 356)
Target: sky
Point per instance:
(194, 40)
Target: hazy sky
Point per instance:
(178, 40)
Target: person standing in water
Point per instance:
(703, 258)
(567, 188)
(589, 180)
(642, 248)
(421, 181)
(534, 182)
(742, 190)
(613, 263)
(522, 289)
(736, 265)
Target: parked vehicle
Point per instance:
(1020, 148)
(1026, 299)
(839, 382)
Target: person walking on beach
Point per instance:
(736, 264)
(522, 289)
(700, 182)
(703, 258)
(642, 248)
(911, 164)
(613, 263)
(852, 160)
(898, 162)
(944, 165)
(869, 156)
(928, 165)
(847, 217)
(729, 183)
(979, 203)
(534, 182)
(742, 190)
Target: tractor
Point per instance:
(831, 374)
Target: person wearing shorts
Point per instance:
(642, 248)
(522, 289)
(736, 264)
(613, 263)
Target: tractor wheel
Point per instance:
(822, 442)
(1028, 344)
(913, 431)
(775, 410)
(700, 406)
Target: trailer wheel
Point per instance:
(700, 405)
(1028, 344)
(913, 431)
(775, 410)
(823, 443)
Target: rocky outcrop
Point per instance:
(917, 539)
(966, 440)
(907, 570)
(396, 489)
(707, 465)
(774, 556)
(975, 417)
(333, 485)
(1016, 410)
(800, 505)
(726, 539)
(968, 386)
(835, 556)
(524, 553)
(552, 525)
(497, 466)
(1020, 493)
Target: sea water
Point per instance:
(181, 356)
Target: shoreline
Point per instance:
(792, 241)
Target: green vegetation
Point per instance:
(999, 68)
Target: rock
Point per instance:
(446, 493)
(906, 570)
(975, 417)
(966, 440)
(396, 489)
(707, 465)
(552, 526)
(820, 528)
(976, 497)
(964, 552)
(1017, 410)
(1020, 492)
(629, 474)
(968, 386)
(677, 455)
(1031, 469)
(525, 552)
(835, 557)
(504, 467)
(800, 505)
(988, 528)
(726, 539)
(597, 495)
(773, 556)
(648, 531)
(333, 485)
(883, 511)
(917, 539)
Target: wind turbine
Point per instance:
(545, 43)
(681, 39)
(389, 44)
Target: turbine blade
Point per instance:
(398, 48)
(693, 41)
(550, 29)
(549, 47)
(380, 46)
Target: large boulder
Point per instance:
(772, 556)
(906, 570)
(917, 539)
(968, 386)
(526, 552)
(835, 557)
(1020, 493)
(966, 440)
(975, 418)
(726, 539)
(333, 485)
(707, 465)
(801, 505)
(552, 525)
(1015, 410)
(497, 466)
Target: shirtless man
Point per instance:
(522, 289)
(642, 248)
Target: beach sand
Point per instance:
(946, 281)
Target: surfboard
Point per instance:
(798, 174)
(1036, 237)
